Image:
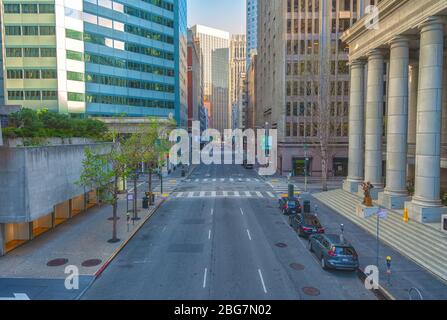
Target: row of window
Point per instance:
(30, 30)
(308, 68)
(32, 95)
(129, 101)
(31, 73)
(17, 8)
(300, 5)
(148, 16)
(122, 63)
(31, 52)
(302, 47)
(309, 109)
(309, 88)
(129, 83)
(310, 130)
(127, 46)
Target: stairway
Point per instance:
(424, 245)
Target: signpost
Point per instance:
(380, 214)
(306, 147)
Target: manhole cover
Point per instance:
(311, 291)
(57, 262)
(281, 245)
(91, 263)
(297, 266)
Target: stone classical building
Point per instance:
(237, 65)
(406, 140)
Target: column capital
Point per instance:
(431, 23)
(358, 63)
(375, 54)
(400, 41)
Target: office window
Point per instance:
(48, 52)
(31, 52)
(32, 74)
(49, 74)
(49, 95)
(74, 96)
(32, 95)
(30, 30)
(14, 74)
(15, 95)
(47, 30)
(74, 55)
(13, 31)
(12, 8)
(73, 34)
(46, 8)
(13, 52)
(75, 76)
(29, 8)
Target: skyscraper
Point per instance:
(252, 28)
(215, 45)
(97, 58)
(237, 64)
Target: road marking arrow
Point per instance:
(17, 296)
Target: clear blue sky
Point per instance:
(227, 15)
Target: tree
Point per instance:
(102, 171)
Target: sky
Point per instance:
(227, 15)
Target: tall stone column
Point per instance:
(2, 240)
(374, 122)
(426, 205)
(412, 113)
(396, 193)
(356, 127)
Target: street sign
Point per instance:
(370, 212)
(130, 196)
(383, 214)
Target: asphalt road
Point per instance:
(205, 246)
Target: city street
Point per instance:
(221, 236)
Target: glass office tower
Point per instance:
(97, 57)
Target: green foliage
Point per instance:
(28, 123)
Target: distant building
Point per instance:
(195, 80)
(251, 93)
(237, 64)
(96, 58)
(215, 46)
(252, 28)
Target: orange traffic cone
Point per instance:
(406, 216)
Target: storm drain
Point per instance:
(91, 263)
(57, 262)
(281, 245)
(311, 291)
(297, 266)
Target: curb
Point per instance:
(381, 293)
(98, 273)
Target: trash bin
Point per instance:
(307, 206)
(145, 203)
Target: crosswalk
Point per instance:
(224, 194)
(216, 180)
(281, 186)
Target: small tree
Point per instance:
(102, 171)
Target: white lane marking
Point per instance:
(197, 180)
(257, 180)
(180, 194)
(214, 180)
(249, 235)
(231, 180)
(138, 185)
(262, 280)
(225, 193)
(209, 235)
(191, 194)
(259, 194)
(271, 195)
(202, 194)
(248, 180)
(164, 229)
(212, 211)
(222, 179)
(248, 194)
(242, 211)
(213, 194)
(17, 296)
(236, 194)
(204, 278)
(205, 180)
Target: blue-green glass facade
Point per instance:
(133, 52)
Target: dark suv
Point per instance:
(334, 252)
(306, 224)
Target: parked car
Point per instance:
(306, 224)
(334, 252)
(292, 206)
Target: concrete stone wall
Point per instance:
(34, 180)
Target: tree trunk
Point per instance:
(135, 199)
(324, 168)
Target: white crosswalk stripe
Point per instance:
(222, 180)
(224, 194)
(281, 187)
